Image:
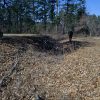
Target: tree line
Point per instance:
(35, 16)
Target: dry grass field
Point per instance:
(30, 73)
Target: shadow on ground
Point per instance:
(69, 47)
(45, 44)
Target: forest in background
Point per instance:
(47, 16)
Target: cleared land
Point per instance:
(65, 71)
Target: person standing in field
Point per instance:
(70, 35)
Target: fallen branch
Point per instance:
(6, 79)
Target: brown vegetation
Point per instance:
(29, 72)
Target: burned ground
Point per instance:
(45, 44)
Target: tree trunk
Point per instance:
(20, 26)
(9, 20)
